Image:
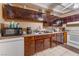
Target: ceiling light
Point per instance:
(76, 5)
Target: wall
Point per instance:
(0, 11)
(33, 25)
(1, 18)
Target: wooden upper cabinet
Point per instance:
(8, 12)
(72, 18)
(13, 12)
(48, 20)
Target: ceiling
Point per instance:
(62, 8)
(57, 8)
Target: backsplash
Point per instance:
(33, 25)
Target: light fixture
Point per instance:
(76, 5)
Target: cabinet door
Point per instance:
(39, 45)
(29, 46)
(46, 43)
(8, 12)
(53, 41)
(60, 37)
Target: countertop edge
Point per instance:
(9, 37)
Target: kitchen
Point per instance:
(35, 29)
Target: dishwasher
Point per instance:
(12, 47)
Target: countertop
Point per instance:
(10, 37)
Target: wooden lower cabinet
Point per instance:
(29, 46)
(34, 44)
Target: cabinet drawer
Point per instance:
(42, 36)
(47, 36)
(29, 38)
(39, 37)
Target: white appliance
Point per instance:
(73, 38)
(12, 47)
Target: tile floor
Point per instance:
(57, 51)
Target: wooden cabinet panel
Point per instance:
(53, 40)
(46, 43)
(53, 37)
(29, 46)
(65, 37)
(47, 39)
(39, 45)
(60, 38)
